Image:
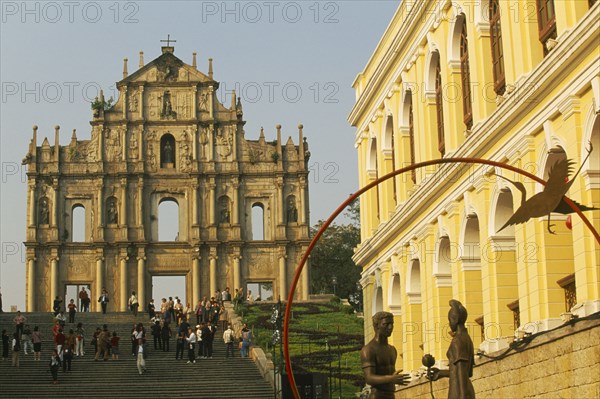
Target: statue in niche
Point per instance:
(44, 211)
(167, 108)
(225, 215)
(112, 215)
(223, 142)
(168, 152)
(203, 102)
(378, 360)
(460, 356)
(292, 211)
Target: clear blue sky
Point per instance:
(292, 62)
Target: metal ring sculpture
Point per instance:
(315, 239)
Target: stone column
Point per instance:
(31, 286)
(194, 204)
(237, 272)
(211, 203)
(196, 280)
(123, 210)
(305, 279)
(124, 143)
(99, 282)
(140, 204)
(141, 283)
(31, 219)
(55, 205)
(53, 279)
(280, 201)
(302, 206)
(100, 207)
(123, 285)
(235, 206)
(141, 110)
(213, 270)
(195, 113)
(282, 276)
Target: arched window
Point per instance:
(378, 302)
(471, 255)
(442, 272)
(167, 151)
(258, 222)
(497, 52)
(168, 220)
(504, 210)
(465, 76)
(546, 22)
(395, 293)
(78, 223)
(439, 105)
(413, 287)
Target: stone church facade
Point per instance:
(167, 138)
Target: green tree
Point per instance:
(332, 256)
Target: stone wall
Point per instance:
(562, 363)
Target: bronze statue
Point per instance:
(378, 360)
(460, 356)
(112, 212)
(551, 199)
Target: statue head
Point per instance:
(383, 323)
(457, 314)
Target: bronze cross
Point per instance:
(169, 40)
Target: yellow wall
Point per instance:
(550, 102)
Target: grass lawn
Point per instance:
(324, 338)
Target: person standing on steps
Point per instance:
(141, 340)
(156, 331)
(72, 309)
(5, 344)
(26, 339)
(133, 303)
(151, 309)
(56, 305)
(114, 346)
(165, 336)
(79, 340)
(36, 338)
(68, 351)
(246, 341)
(103, 300)
(55, 364)
(228, 339)
(179, 345)
(16, 348)
(19, 321)
(191, 342)
(84, 300)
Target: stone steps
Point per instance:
(208, 378)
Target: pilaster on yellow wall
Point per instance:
(568, 13)
(530, 51)
(368, 291)
(480, 58)
(412, 334)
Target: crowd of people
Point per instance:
(170, 320)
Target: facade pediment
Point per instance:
(166, 69)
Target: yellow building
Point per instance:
(511, 81)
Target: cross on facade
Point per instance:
(169, 40)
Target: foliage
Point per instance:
(323, 338)
(332, 257)
(98, 104)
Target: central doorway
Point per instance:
(72, 292)
(168, 286)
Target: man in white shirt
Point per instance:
(228, 339)
(141, 362)
(191, 341)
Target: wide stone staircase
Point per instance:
(214, 378)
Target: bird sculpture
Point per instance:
(552, 198)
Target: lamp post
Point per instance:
(334, 282)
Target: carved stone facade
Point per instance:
(167, 138)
